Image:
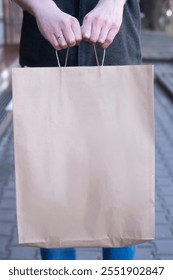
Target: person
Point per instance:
(113, 25)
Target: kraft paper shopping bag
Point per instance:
(84, 155)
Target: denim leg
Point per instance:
(58, 254)
(123, 253)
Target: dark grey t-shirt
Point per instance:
(35, 51)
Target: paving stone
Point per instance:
(6, 228)
(165, 257)
(162, 173)
(89, 254)
(147, 245)
(7, 215)
(37, 254)
(168, 200)
(171, 211)
(163, 182)
(4, 244)
(163, 231)
(164, 247)
(3, 256)
(144, 254)
(90, 249)
(8, 203)
(22, 253)
(171, 220)
(158, 207)
(15, 238)
(167, 190)
(159, 165)
(9, 194)
(161, 218)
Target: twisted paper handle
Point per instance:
(96, 56)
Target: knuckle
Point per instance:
(56, 45)
(53, 42)
(73, 20)
(61, 22)
(96, 18)
(78, 41)
(64, 23)
(79, 38)
(85, 36)
(101, 45)
(114, 26)
(100, 41)
(105, 45)
(63, 46)
(93, 40)
(72, 43)
(106, 22)
(109, 41)
(87, 18)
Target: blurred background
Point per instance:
(157, 46)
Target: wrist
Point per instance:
(37, 6)
(112, 3)
(116, 2)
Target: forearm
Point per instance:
(32, 6)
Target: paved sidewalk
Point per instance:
(157, 46)
(8, 60)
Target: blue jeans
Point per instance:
(123, 253)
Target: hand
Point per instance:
(53, 23)
(102, 24)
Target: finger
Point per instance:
(86, 29)
(103, 35)
(110, 37)
(95, 32)
(61, 40)
(54, 42)
(77, 31)
(69, 36)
